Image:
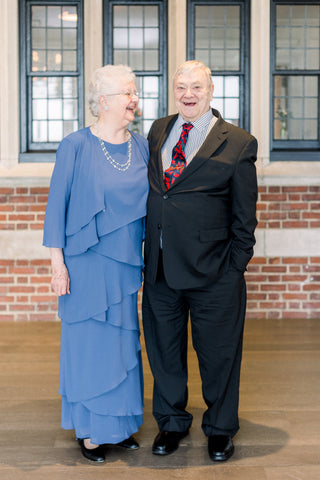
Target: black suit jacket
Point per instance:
(208, 216)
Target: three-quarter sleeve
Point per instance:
(59, 194)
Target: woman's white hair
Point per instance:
(191, 65)
(104, 81)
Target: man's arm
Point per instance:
(244, 193)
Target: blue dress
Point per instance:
(95, 213)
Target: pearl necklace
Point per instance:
(119, 166)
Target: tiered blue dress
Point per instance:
(95, 213)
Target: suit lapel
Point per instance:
(162, 139)
(215, 138)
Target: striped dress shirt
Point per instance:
(197, 136)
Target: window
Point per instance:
(218, 35)
(135, 34)
(51, 75)
(295, 48)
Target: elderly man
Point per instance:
(201, 217)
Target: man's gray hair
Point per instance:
(191, 65)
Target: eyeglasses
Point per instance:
(127, 94)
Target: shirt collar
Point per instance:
(201, 124)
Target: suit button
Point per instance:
(165, 197)
(159, 226)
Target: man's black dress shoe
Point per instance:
(94, 454)
(220, 447)
(167, 442)
(130, 443)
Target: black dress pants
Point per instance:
(217, 314)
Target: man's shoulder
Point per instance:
(238, 132)
(229, 128)
(162, 123)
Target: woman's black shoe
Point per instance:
(130, 443)
(94, 454)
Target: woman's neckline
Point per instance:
(106, 141)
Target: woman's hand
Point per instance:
(60, 281)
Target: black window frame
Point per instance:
(290, 150)
(46, 152)
(162, 73)
(244, 72)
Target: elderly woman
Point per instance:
(94, 227)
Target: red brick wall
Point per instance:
(283, 287)
(278, 207)
(278, 287)
(22, 208)
(25, 292)
(289, 207)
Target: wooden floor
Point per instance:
(279, 437)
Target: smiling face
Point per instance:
(121, 107)
(192, 94)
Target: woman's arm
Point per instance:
(60, 281)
